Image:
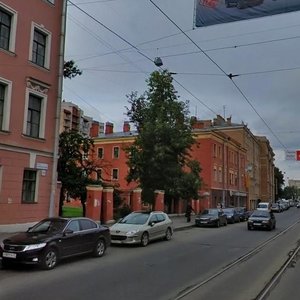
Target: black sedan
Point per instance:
(53, 239)
(262, 219)
(232, 215)
(211, 217)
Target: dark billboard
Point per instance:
(211, 12)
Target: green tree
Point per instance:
(71, 70)
(159, 158)
(75, 166)
(279, 183)
(291, 192)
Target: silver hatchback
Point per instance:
(141, 227)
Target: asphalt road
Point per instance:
(163, 270)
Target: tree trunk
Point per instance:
(61, 201)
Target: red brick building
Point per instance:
(222, 160)
(31, 71)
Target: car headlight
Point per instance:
(250, 221)
(131, 233)
(265, 221)
(2, 245)
(34, 246)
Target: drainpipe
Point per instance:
(58, 109)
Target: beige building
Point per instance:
(73, 118)
(259, 160)
(267, 178)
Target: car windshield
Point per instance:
(263, 205)
(136, 218)
(213, 212)
(228, 210)
(260, 214)
(53, 225)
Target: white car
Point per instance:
(264, 206)
(141, 227)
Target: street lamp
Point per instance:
(158, 61)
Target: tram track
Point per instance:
(265, 291)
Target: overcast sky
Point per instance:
(114, 43)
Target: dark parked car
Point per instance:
(211, 217)
(232, 215)
(53, 239)
(275, 207)
(262, 219)
(243, 213)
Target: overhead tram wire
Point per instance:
(141, 53)
(186, 31)
(230, 76)
(95, 36)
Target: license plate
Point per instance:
(257, 224)
(203, 222)
(9, 255)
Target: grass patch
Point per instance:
(71, 212)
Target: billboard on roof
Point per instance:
(211, 12)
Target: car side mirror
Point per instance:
(68, 232)
(152, 223)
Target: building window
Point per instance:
(100, 152)
(5, 103)
(34, 116)
(5, 29)
(116, 152)
(29, 186)
(40, 47)
(115, 174)
(215, 174)
(1, 178)
(220, 174)
(219, 152)
(2, 93)
(8, 28)
(99, 175)
(214, 150)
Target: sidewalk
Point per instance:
(179, 223)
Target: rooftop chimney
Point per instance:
(109, 128)
(94, 131)
(126, 126)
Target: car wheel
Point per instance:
(168, 235)
(249, 227)
(225, 223)
(100, 248)
(49, 259)
(218, 224)
(145, 239)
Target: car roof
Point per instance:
(148, 212)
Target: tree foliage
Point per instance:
(279, 183)
(75, 167)
(291, 192)
(71, 70)
(159, 158)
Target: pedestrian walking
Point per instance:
(188, 212)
